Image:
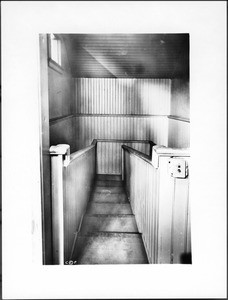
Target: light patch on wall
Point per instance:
(55, 49)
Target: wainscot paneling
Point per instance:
(122, 109)
(109, 155)
(122, 96)
(120, 127)
(160, 204)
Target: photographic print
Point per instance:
(114, 149)
(117, 126)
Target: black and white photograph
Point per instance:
(114, 149)
(117, 126)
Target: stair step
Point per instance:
(109, 233)
(109, 183)
(110, 248)
(109, 189)
(109, 177)
(108, 208)
(109, 198)
(109, 223)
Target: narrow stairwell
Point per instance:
(109, 233)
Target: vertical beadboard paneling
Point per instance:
(109, 158)
(161, 207)
(141, 181)
(111, 108)
(120, 127)
(123, 96)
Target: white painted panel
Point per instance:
(161, 207)
(78, 183)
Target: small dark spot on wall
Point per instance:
(139, 69)
(186, 258)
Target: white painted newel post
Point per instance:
(60, 157)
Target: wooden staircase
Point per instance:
(109, 234)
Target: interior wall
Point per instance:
(179, 120)
(61, 102)
(179, 133)
(180, 104)
(131, 109)
(88, 127)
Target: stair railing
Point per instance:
(158, 190)
(72, 177)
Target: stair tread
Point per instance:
(112, 248)
(109, 215)
(109, 208)
(109, 189)
(109, 233)
(109, 198)
(109, 177)
(116, 223)
(109, 183)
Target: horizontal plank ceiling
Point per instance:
(128, 55)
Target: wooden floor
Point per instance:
(109, 234)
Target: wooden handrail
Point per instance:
(81, 152)
(145, 157)
(123, 141)
(64, 149)
(61, 160)
(61, 118)
(179, 118)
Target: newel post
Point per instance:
(60, 157)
